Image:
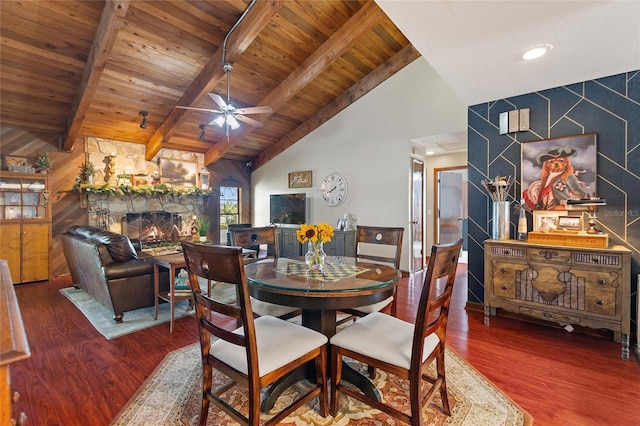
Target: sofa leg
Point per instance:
(118, 317)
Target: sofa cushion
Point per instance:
(73, 230)
(119, 245)
(83, 231)
(127, 269)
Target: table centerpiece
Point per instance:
(315, 236)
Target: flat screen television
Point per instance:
(288, 209)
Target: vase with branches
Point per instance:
(87, 172)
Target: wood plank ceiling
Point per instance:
(87, 68)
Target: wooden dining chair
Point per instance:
(260, 236)
(402, 348)
(232, 226)
(377, 244)
(253, 238)
(262, 351)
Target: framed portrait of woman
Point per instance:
(555, 170)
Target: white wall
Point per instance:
(369, 144)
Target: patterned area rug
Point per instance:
(171, 396)
(102, 319)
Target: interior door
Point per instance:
(417, 215)
(450, 206)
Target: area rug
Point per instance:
(102, 319)
(171, 396)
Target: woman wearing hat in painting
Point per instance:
(558, 181)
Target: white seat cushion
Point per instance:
(376, 307)
(265, 308)
(382, 337)
(279, 342)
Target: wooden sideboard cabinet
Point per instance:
(14, 347)
(288, 245)
(25, 219)
(343, 243)
(566, 285)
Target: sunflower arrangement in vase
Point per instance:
(315, 236)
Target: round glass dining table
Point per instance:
(343, 283)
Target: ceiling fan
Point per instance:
(229, 113)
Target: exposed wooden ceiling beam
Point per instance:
(238, 42)
(112, 17)
(361, 88)
(360, 23)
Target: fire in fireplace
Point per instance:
(153, 227)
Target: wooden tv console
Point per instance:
(567, 285)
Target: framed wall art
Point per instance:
(547, 220)
(570, 223)
(554, 170)
(178, 172)
(300, 179)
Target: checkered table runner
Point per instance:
(332, 272)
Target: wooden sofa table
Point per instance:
(172, 262)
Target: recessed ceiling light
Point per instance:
(430, 152)
(536, 51)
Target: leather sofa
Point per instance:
(111, 268)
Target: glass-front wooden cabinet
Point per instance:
(23, 196)
(25, 222)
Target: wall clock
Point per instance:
(333, 189)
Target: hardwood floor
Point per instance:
(77, 377)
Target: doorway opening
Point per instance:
(450, 197)
(417, 216)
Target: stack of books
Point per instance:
(181, 285)
(181, 292)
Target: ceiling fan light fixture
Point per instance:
(232, 122)
(228, 111)
(219, 121)
(537, 51)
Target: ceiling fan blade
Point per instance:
(251, 121)
(218, 99)
(255, 110)
(200, 109)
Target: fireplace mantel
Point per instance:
(146, 190)
(108, 205)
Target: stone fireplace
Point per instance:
(150, 218)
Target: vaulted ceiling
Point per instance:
(87, 68)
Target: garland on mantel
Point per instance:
(155, 190)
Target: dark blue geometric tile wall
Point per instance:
(609, 107)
